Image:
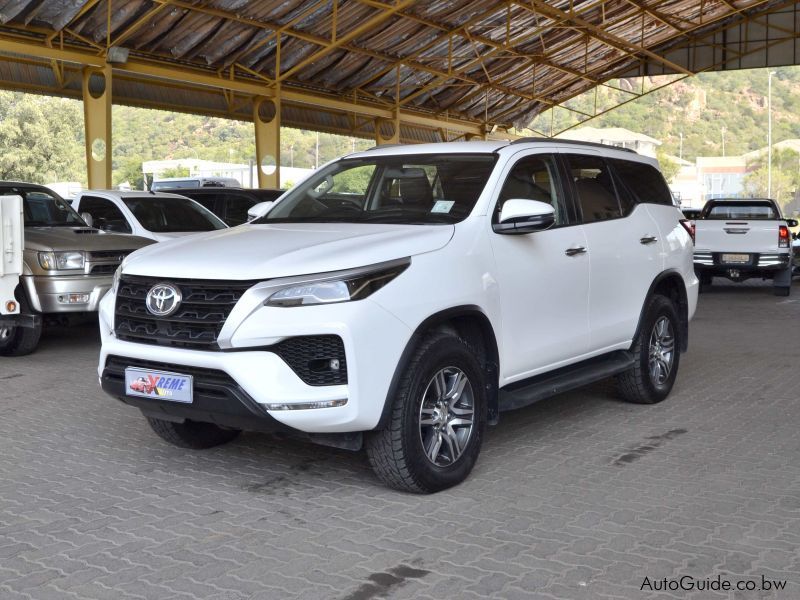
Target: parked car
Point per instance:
(741, 238)
(402, 297)
(691, 213)
(193, 182)
(157, 216)
(67, 265)
(229, 203)
(796, 253)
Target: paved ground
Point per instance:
(580, 496)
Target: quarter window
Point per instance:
(594, 186)
(643, 181)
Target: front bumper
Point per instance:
(373, 340)
(66, 293)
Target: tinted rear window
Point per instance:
(741, 210)
(644, 182)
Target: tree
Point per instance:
(785, 176)
(178, 171)
(41, 139)
(669, 167)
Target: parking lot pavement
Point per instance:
(579, 496)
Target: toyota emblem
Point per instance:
(163, 299)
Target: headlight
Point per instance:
(342, 287)
(61, 261)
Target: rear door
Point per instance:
(623, 244)
(543, 276)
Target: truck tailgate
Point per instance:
(756, 236)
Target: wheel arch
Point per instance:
(670, 283)
(468, 322)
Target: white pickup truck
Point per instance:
(741, 238)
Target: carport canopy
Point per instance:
(402, 71)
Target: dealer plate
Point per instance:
(736, 258)
(158, 385)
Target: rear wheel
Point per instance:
(437, 420)
(19, 341)
(192, 434)
(656, 352)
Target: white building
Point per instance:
(245, 174)
(614, 136)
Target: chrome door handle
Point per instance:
(575, 251)
(648, 239)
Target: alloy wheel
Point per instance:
(662, 351)
(446, 416)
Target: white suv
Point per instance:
(403, 297)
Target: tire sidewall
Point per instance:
(659, 306)
(445, 351)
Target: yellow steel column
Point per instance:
(267, 120)
(383, 127)
(97, 125)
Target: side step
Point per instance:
(522, 393)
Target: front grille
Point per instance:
(197, 322)
(108, 255)
(310, 358)
(103, 269)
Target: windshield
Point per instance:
(423, 189)
(741, 210)
(163, 215)
(43, 208)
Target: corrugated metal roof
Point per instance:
(488, 62)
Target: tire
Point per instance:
(192, 434)
(780, 290)
(399, 454)
(19, 341)
(647, 383)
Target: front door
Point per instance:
(543, 277)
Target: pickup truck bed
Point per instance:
(743, 238)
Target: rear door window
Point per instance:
(594, 187)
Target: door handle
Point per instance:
(574, 251)
(648, 239)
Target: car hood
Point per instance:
(252, 252)
(79, 238)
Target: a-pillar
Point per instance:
(387, 131)
(267, 120)
(97, 125)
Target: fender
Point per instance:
(683, 305)
(447, 316)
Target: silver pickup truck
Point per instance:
(67, 266)
(741, 238)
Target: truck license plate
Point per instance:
(736, 258)
(158, 385)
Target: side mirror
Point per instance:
(259, 210)
(88, 218)
(524, 216)
(791, 222)
(796, 236)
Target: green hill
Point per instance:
(41, 138)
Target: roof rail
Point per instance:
(526, 140)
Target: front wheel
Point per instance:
(437, 420)
(656, 353)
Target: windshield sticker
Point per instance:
(443, 206)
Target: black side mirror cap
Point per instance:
(791, 222)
